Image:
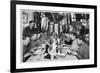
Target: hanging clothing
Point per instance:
(42, 22)
(47, 21)
(51, 28)
(56, 29)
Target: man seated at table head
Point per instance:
(30, 30)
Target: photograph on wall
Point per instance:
(54, 35)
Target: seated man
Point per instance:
(68, 41)
(30, 30)
(80, 49)
(28, 33)
(83, 52)
(26, 47)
